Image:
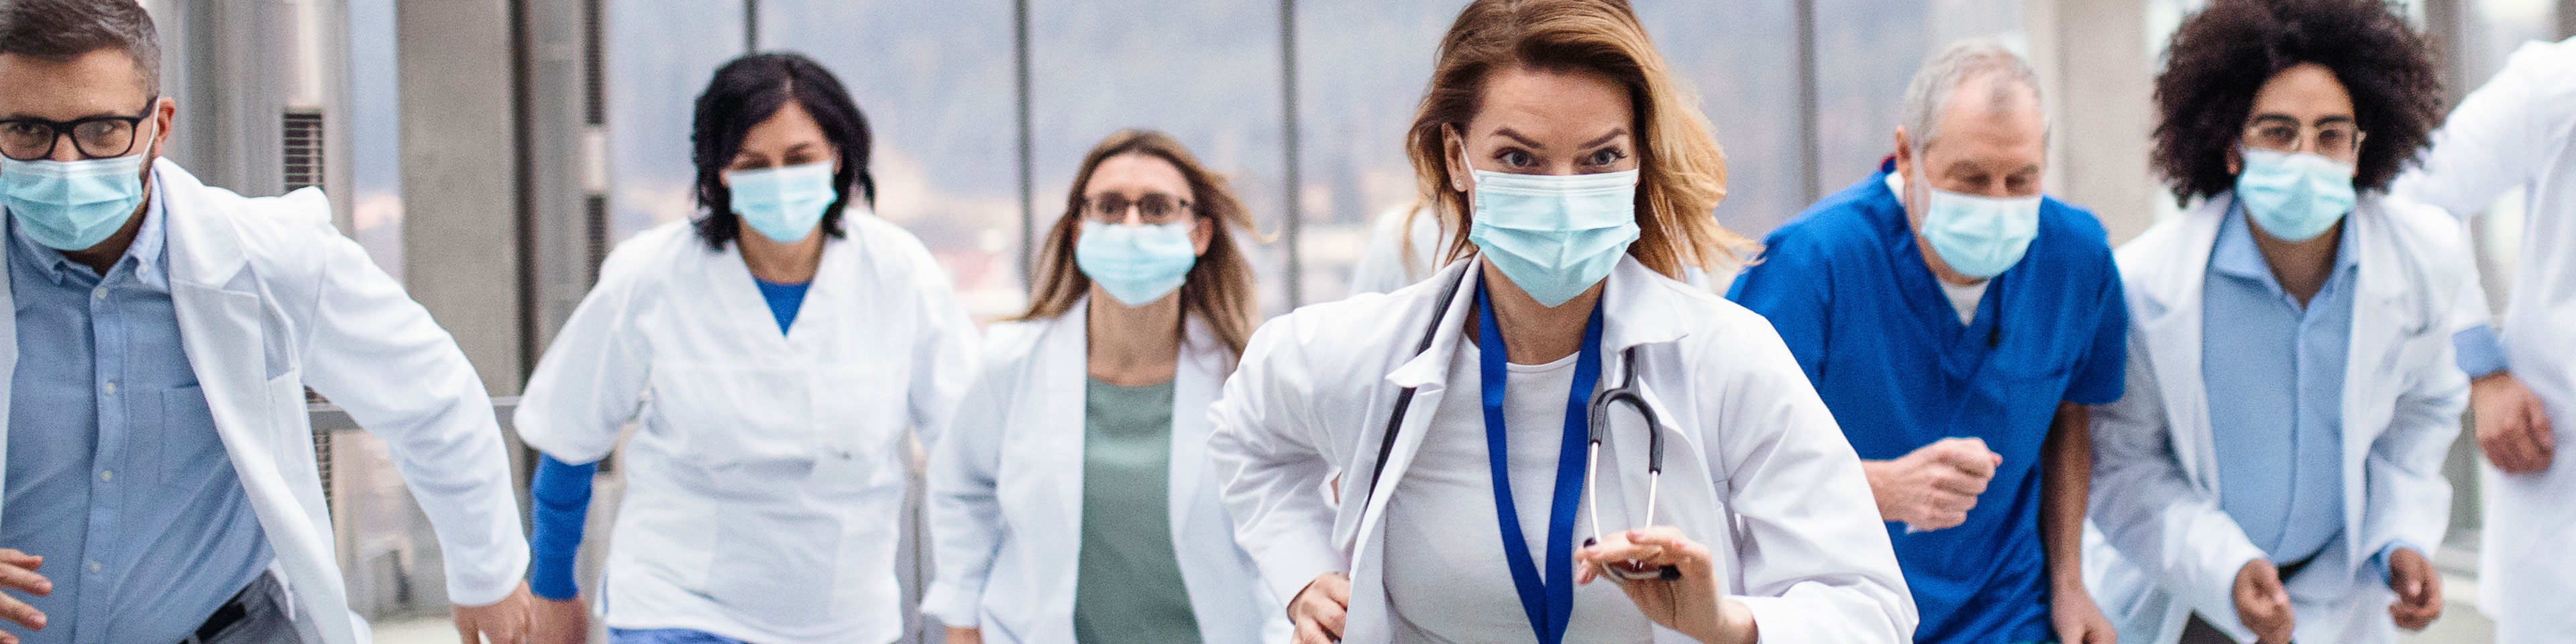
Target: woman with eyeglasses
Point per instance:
(1072, 500)
(772, 352)
(1554, 439)
(2274, 470)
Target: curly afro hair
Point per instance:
(2221, 57)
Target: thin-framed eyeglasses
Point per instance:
(2339, 140)
(95, 137)
(1151, 208)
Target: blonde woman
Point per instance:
(1073, 502)
(1554, 439)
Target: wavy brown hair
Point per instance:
(2220, 58)
(1681, 171)
(1218, 290)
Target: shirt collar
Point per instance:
(2235, 254)
(149, 252)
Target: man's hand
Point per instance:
(559, 621)
(1690, 604)
(2419, 589)
(504, 622)
(1934, 487)
(2513, 429)
(2262, 604)
(1318, 610)
(18, 572)
(2077, 619)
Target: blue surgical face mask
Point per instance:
(2294, 196)
(785, 202)
(1979, 237)
(72, 205)
(1137, 264)
(1553, 235)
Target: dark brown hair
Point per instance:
(1681, 171)
(2220, 58)
(745, 93)
(60, 30)
(1218, 290)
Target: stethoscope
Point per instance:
(1599, 412)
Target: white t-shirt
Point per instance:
(1446, 577)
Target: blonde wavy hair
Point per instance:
(1682, 173)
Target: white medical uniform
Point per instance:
(2164, 549)
(1756, 468)
(2519, 130)
(1005, 497)
(272, 299)
(765, 487)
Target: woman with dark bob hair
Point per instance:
(772, 353)
(2274, 469)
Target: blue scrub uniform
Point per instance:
(1849, 292)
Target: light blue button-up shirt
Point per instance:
(2275, 373)
(116, 476)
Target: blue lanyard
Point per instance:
(1549, 605)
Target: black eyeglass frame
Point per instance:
(66, 130)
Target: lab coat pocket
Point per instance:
(860, 413)
(748, 416)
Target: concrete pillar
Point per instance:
(2092, 58)
(461, 194)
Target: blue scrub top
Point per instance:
(1847, 289)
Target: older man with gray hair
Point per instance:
(1957, 322)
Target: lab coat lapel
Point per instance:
(1200, 371)
(2371, 358)
(220, 331)
(1063, 375)
(1428, 374)
(2171, 325)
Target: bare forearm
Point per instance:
(2066, 482)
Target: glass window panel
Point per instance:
(659, 57)
(1205, 72)
(935, 80)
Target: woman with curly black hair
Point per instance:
(2274, 470)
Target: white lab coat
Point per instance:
(765, 486)
(1757, 469)
(1006, 494)
(2164, 547)
(2520, 131)
(271, 299)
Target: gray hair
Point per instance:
(1961, 62)
(60, 30)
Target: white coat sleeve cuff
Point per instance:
(481, 583)
(1799, 619)
(1289, 572)
(952, 605)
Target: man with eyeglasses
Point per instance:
(2273, 473)
(160, 476)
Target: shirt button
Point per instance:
(110, 388)
(93, 566)
(107, 475)
(100, 292)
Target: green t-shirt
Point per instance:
(1128, 588)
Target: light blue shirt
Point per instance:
(116, 476)
(2275, 373)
